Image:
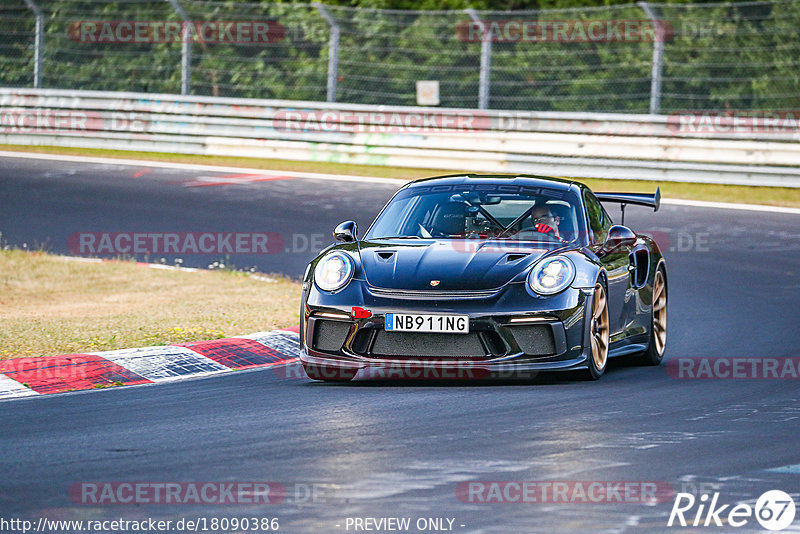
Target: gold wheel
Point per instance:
(599, 328)
(660, 313)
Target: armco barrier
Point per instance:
(652, 147)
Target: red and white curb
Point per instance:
(22, 377)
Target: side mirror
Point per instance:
(346, 232)
(619, 236)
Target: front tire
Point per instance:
(599, 333)
(658, 329)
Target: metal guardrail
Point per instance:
(649, 147)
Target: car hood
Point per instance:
(446, 264)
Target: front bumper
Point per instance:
(509, 330)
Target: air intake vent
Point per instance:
(329, 336)
(361, 342)
(494, 343)
(515, 257)
(414, 344)
(536, 340)
(385, 255)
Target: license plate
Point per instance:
(411, 322)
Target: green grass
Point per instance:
(771, 196)
(51, 305)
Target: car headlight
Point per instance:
(552, 275)
(334, 271)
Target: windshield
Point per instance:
(488, 211)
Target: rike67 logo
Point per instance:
(774, 510)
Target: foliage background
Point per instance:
(723, 56)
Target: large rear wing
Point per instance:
(640, 199)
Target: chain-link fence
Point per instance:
(630, 58)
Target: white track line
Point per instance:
(341, 177)
(204, 168)
(729, 206)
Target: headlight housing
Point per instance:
(334, 271)
(552, 275)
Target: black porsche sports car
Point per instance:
(487, 272)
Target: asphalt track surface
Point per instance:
(379, 448)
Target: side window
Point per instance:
(594, 213)
(607, 222)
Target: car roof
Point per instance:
(514, 179)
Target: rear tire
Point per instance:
(327, 373)
(599, 334)
(658, 328)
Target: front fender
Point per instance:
(587, 269)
